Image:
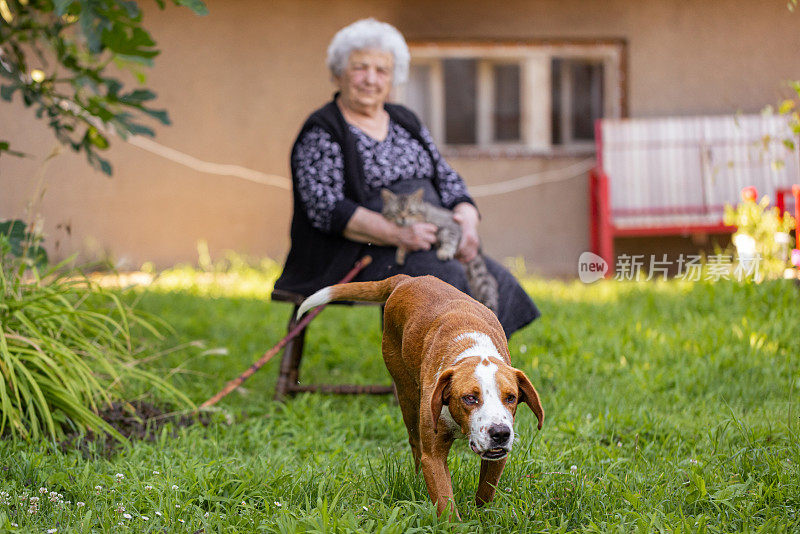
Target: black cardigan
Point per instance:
(317, 259)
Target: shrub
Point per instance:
(762, 235)
(67, 348)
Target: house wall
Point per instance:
(239, 83)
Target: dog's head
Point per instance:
(482, 395)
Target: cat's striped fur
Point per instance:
(407, 209)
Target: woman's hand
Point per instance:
(418, 236)
(466, 215)
(367, 226)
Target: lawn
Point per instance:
(670, 407)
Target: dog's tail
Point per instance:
(362, 291)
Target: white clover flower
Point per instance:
(177, 506)
(145, 518)
(148, 487)
(14, 525)
(158, 513)
(120, 477)
(365, 508)
(693, 461)
(156, 473)
(80, 504)
(53, 496)
(52, 530)
(34, 500)
(619, 444)
(127, 516)
(205, 514)
(573, 469)
(42, 490)
(174, 487)
(120, 508)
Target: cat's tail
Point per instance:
(361, 291)
(482, 285)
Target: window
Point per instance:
(534, 97)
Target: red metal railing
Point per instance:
(674, 176)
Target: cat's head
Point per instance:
(403, 209)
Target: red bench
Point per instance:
(674, 176)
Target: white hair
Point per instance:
(369, 34)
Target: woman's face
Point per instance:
(367, 79)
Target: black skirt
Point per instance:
(515, 307)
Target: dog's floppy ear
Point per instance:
(440, 397)
(528, 393)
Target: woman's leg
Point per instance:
(515, 307)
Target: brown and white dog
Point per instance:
(448, 356)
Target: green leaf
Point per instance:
(7, 91)
(138, 96)
(198, 6)
(97, 139)
(6, 147)
(135, 44)
(91, 26)
(62, 6)
(140, 129)
(14, 230)
(105, 166)
(132, 8)
(786, 106)
(160, 115)
(23, 243)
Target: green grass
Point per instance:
(670, 407)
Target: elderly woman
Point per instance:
(350, 149)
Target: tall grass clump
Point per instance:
(67, 348)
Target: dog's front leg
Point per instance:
(440, 488)
(490, 477)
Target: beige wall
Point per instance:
(238, 84)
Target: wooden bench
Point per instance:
(289, 374)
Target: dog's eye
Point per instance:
(511, 399)
(470, 399)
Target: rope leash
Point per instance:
(258, 364)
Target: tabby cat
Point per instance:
(407, 209)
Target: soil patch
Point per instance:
(138, 420)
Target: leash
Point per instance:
(236, 382)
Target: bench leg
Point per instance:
(290, 362)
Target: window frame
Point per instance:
(534, 58)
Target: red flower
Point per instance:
(749, 193)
